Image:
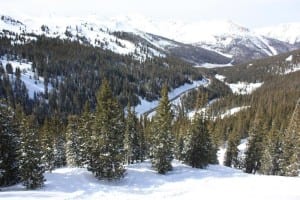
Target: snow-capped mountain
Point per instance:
(215, 42)
(289, 32)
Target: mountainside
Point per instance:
(213, 42)
(288, 32)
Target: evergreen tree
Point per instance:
(9, 143)
(85, 132)
(272, 153)
(73, 143)
(48, 146)
(31, 167)
(132, 140)
(199, 146)
(255, 146)
(58, 129)
(107, 137)
(231, 155)
(291, 155)
(163, 139)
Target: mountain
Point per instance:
(221, 36)
(288, 32)
(108, 34)
(213, 42)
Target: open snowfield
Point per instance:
(141, 182)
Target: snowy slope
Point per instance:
(141, 182)
(90, 30)
(289, 32)
(222, 38)
(33, 82)
(146, 106)
(240, 87)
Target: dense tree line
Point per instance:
(75, 72)
(103, 141)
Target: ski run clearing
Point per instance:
(141, 182)
(242, 88)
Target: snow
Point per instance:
(33, 85)
(145, 105)
(293, 69)
(232, 111)
(141, 182)
(240, 87)
(220, 77)
(96, 31)
(244, 87)
(211, 65)
(289, 59)
(288, 32)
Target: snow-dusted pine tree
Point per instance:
(132, 144)
(272, 153)
(31, 167)
(291, 156)
(73, 142)
(107, 137)
(255, 145)
(9, 143)
(232, 151)
(48, 146)
(198, 147)
(162, 148)
(85, 133)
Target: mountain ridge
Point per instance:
(214, 42)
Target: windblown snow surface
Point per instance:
(141, 182)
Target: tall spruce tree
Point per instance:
(9, 144)
(232, 151)
(107, 137)
(255, 145)
(272, 153)
(31, 167)
(85, 132)
(132, 143)
(47, 140)
(163, 139)
(199, 146)
(291, 156)
(73, 143)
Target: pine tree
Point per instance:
(85, 132)
(163, 139)
(73, 143)
(199, 146)
(255, 146)
(232, 151)
(48, 146)
(291, 156)
(9, 143)
(272, 153)
(107, 137)
(58, 130)
(31, 167)
(132, 143)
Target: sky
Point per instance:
(249, 13)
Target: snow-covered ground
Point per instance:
(141, 182)
(34, 83)
(145, 105)
(232, 111)
(240, 87)
(244, 87)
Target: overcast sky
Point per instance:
(249, 13)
